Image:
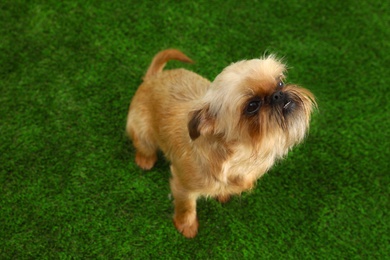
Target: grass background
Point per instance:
(70, 188)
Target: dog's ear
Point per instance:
(201, 122)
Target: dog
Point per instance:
(219, 136)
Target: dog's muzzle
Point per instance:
(283, 100)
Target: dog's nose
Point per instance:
(277, 97)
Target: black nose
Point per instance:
(277, 97)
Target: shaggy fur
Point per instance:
(219, 136)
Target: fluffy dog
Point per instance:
(219, 136)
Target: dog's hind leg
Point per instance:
(144, 143)
(145, 156)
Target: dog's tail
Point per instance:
(162, 58)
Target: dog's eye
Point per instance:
(280, 84)
(253, 106)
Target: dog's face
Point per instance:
(248, 102)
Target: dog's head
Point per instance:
(249, 102)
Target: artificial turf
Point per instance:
(70, 188)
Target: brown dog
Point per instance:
(219, 136)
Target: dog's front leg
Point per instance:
(185, 218)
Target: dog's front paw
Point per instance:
(188, 229)
(145, 162)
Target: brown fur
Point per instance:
(215, 147)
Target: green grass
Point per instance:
(70, 188)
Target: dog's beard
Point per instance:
(280, 124)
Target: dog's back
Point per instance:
(182, 85)
(163, 97)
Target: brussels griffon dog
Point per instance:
(219, 136)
